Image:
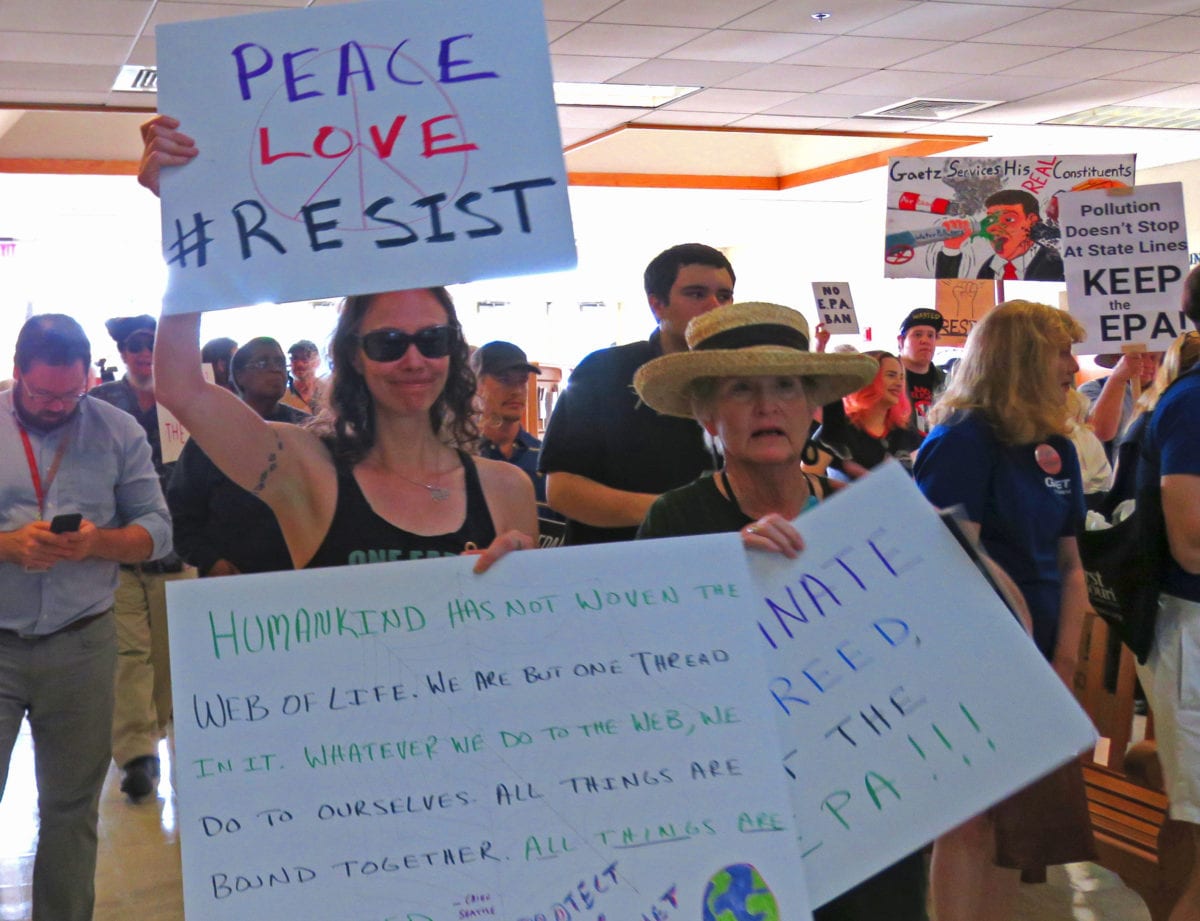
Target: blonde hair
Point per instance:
(1008, 372)
(1179, 358)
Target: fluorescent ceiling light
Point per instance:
(1131, 117)
(618, 94)
(134, 78)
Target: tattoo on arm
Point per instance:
(272, 463)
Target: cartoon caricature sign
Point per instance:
(360, 148)
(986, 218)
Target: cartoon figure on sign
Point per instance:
(1009, 228)
(738, 893)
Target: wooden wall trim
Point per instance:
(69, 167)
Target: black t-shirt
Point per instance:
(922, 391)
(600, 430)
(846, 441)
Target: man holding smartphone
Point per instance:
(63, 454)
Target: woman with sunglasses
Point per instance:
(866, 427)
(384, 474)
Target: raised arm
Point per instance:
(284, 465)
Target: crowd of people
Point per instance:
(414, 448)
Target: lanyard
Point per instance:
(39, 489)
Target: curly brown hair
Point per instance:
(348, 423)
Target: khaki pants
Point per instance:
(142, 709)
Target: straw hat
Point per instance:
(743, 340)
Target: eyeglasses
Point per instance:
(133, 346)
(45, 397)
(391, 344)
(265, 364)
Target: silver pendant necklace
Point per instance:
(436, 493)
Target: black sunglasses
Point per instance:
(391, 344)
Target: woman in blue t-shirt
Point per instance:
(999, 450)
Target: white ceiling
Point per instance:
(763, 64)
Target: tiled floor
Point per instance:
(139, 876)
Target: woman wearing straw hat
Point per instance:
(751, 382)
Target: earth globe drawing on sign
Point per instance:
(388, 130)
(738, 893)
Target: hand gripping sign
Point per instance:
(361, 147)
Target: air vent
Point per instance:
(929, 110)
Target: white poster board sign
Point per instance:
(908, 697)
(172, 436)
(614, 704)
(570, 736)
(360, 147)
(835, 306)
(969, 217)
(1126, 258)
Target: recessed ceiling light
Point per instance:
(820, 17)
(1131, 117)
(618, 94)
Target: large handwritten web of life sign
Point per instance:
(601, 732)
(360, 147)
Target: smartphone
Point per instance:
(61, 524)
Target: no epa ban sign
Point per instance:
(358, 148)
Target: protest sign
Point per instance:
(1126, 258)
(835, 306)
(360, 147)
(962, 302)
(572, 736)
(172, 436)
(908, 697)
(986, 217)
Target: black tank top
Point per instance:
(358, 535)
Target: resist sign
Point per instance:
(1126, 256)
(361, 147)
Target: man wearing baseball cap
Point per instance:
(502, 372)
(305, 391)
(923, 380)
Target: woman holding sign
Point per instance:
(385, 477)
(1000, 450)
(751, 382)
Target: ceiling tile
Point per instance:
(1070, 28)
(889, 125)
(978, 58)
(1007, 88)
(1166, 7)
(167, 11)
(796, 15)
(86, 78)
(940, 21)
(574, 10)
(597, 118)
(582, 68)
(681, 73)
(793, 78)
(705, 119)
(1174, 34)
(786, 122)
(1064, 101)
(1180, 68)
(901, 84)
(145, 51)
(90, 17)
(44, 47)
(703, 13)
(748, 47)
(865, 49)
(1181, 97)
(557, 28)
(622, 41)
(721, 100)
(827, 104)
(1084, 63)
